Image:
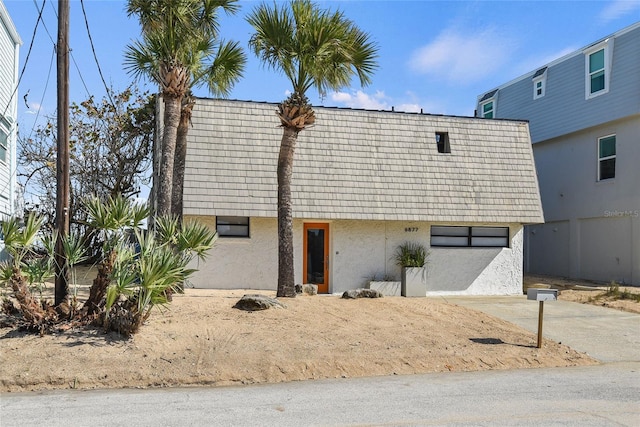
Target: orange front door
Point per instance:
(315, 255)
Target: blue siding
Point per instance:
(564, 108)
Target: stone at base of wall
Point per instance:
(307, 289)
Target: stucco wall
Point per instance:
(360, 251)
(593, 226)
(548, 248)
(477, 271)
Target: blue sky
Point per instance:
(434, 55)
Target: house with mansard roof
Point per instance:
(364, 182)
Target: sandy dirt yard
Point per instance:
(587, 292)
(202, 340)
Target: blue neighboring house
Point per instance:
(584, 115)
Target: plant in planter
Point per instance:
(412, 258)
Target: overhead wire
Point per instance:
(95, 56)
(40, 12)
(26, 61)
(24, 67)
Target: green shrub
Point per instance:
(411, 254)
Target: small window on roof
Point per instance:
(442, 141)
(487, 104)
(539, 83)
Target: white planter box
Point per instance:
(414, 282)
(388, 289)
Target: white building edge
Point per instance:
(10, 43)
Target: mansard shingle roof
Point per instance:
(361, 165)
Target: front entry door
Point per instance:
(315, 265)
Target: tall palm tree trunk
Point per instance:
(286, 285)
(177, 195)
(172, 107)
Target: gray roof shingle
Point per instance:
(357, 164)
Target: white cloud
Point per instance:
(362, 100)
(380, 101)
(408, 108)
(463, 57)
(617, 9)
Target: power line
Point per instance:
(44, 92)
(15, 171)
(73, 58)
(26, 61)
(95, 56)
(43, 23)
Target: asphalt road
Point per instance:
(602, 395)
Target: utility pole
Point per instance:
(62, 161)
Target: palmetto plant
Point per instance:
(139, 270)
(313, 48)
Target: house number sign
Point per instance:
(411, 229)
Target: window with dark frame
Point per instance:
(4, 138)
(232, 226)
(606, 157)
(469, 237)
(442, 141)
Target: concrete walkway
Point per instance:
(606, 334)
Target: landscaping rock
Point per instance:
(255, 302)
(307, 289)
(362, 293)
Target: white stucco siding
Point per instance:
(358, 251)
(239, 263)
(477, 271)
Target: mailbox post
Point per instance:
(541, 295)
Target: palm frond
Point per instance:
(197, 238)
(312, 47)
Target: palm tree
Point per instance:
(312, 48)
(180, 50)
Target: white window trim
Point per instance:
(600, 159)
(607, 45)
(488, 101)
(540, 79)
(482, 102)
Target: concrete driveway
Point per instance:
(606, 334)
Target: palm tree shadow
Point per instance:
(95, 337)
(497, 341)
